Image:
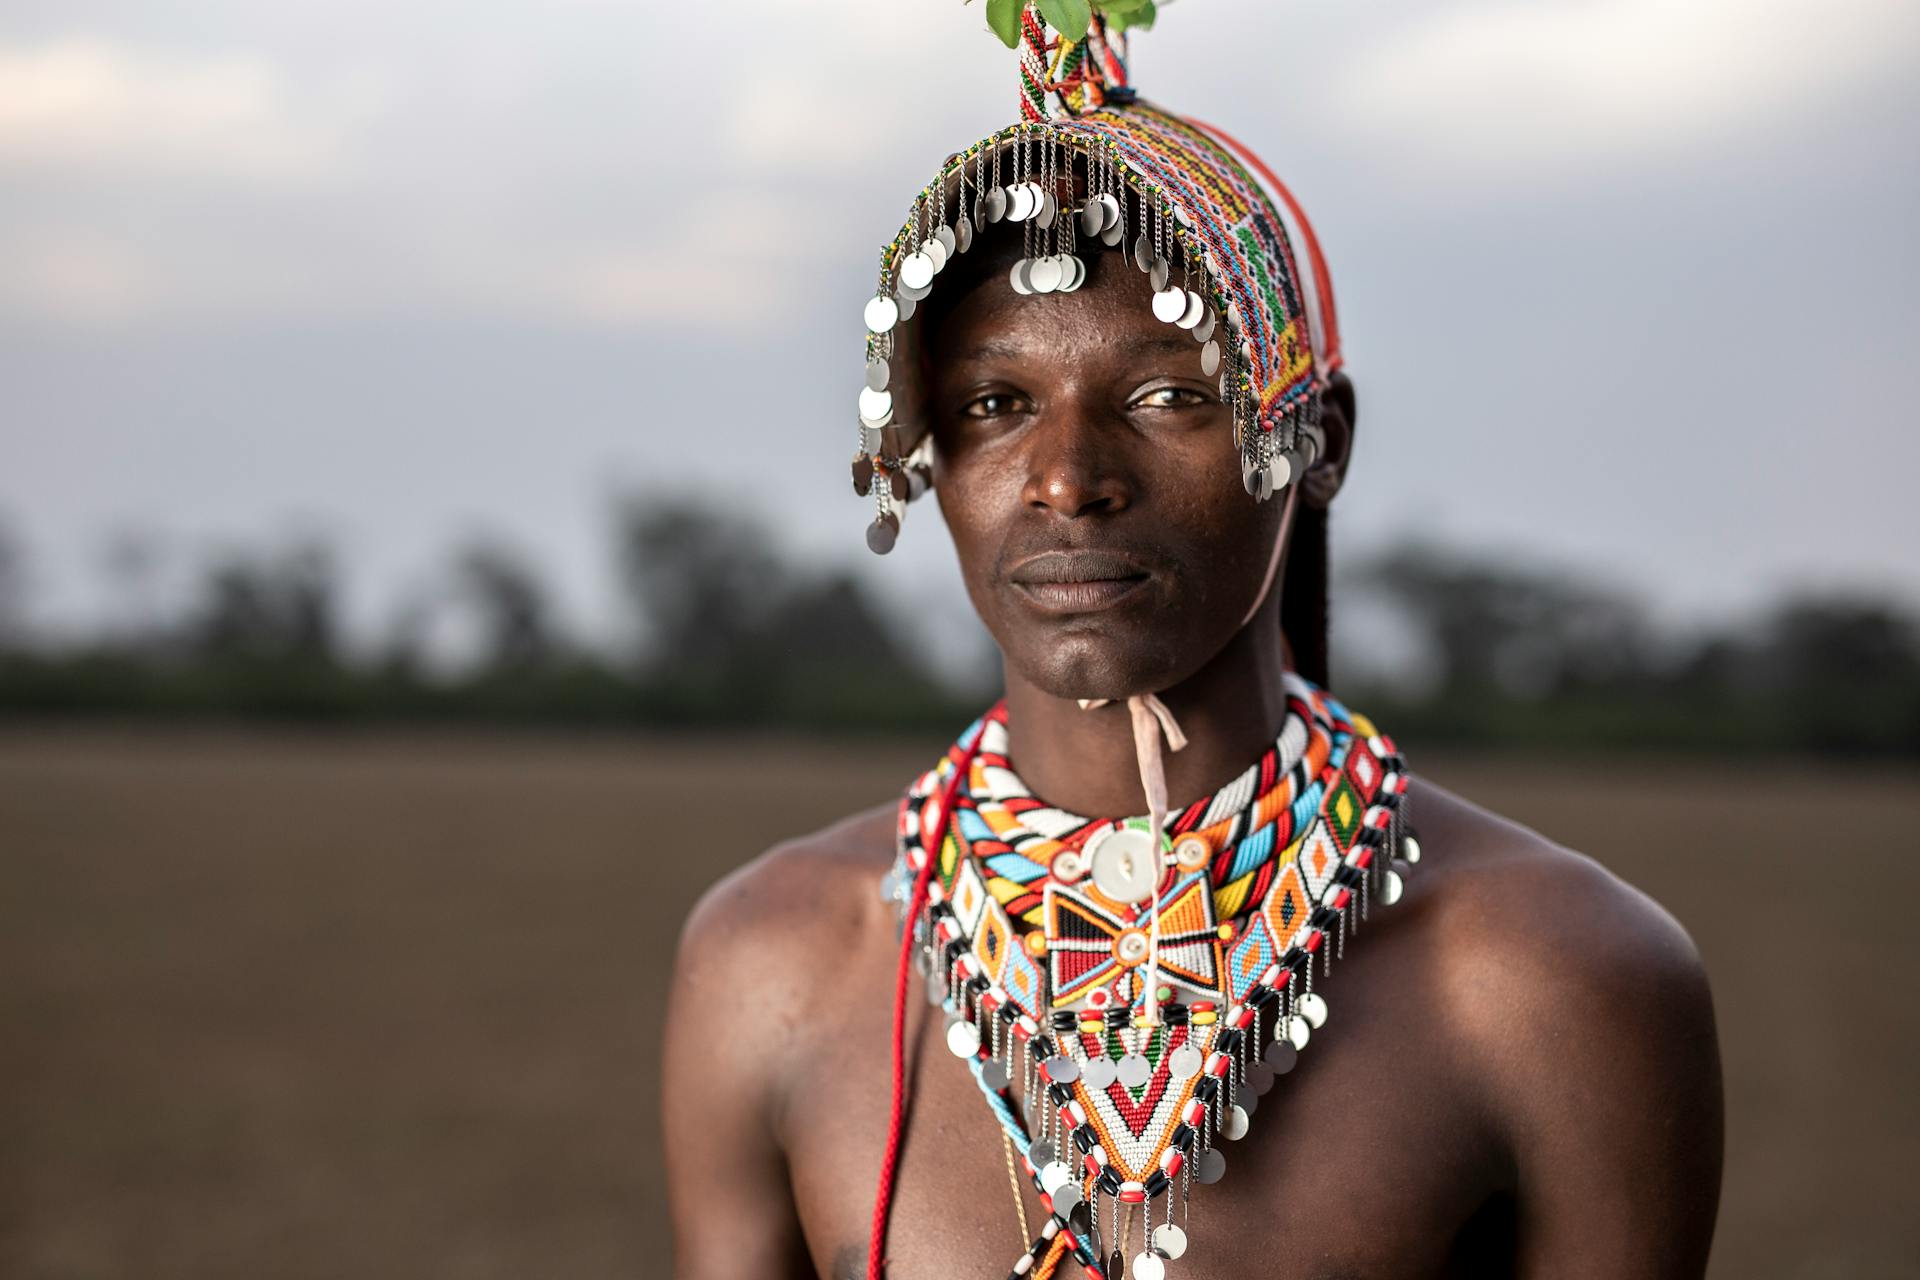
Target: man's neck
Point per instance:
(1084, 761)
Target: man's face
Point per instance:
(1087, 470)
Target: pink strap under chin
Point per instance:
(1151, 719)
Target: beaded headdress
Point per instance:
(1091, 165)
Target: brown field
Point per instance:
(388, 1006)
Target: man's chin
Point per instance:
(1083, 666)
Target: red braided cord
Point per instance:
(1322, 280)
(883, 1197)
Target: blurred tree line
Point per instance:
(728, 632)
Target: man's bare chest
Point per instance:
(1365, 1161)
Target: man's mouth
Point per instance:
(1077, 581)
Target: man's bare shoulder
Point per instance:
(824, 885)
(1548, 966)
(1518, 910)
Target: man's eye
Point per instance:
(1170, 398)
(991, 406)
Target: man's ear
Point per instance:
(1338, 413)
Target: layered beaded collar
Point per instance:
(1030, 926)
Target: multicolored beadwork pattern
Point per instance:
(1227, 220)
(1104, 1098)
(1016, 838)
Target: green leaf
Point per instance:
(1068, 17)
(1125, 14)
(1004, 17)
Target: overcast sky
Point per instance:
(1626, 284)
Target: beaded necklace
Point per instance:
(1112, 1078)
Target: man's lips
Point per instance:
(1077, 581)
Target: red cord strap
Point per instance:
(883, 1197)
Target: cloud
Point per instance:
(1555, 86)
(84, 104)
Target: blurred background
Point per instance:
(423, 435)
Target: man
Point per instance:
(1520, 1077)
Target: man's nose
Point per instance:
(1076, 467)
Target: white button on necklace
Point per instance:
(1125, 865)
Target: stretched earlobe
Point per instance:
(1334, 435)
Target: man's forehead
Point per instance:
(1032, 343)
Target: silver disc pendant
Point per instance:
(1158, 274)
(1191, 316)
(1066, 1200)
(1017, 277)
(1410, 850)
(994, 1075)
(1109, 212)
(1053, 1176)
(1394, 888)
(876, 407)
(1299, 1031)
(937, 253)
(1280, 1057)
(1184, 1063)
(963, 1039)
(1147, 1266)
(1046, 274)
(1169, 304)
(1260, 1079)
(1203, 332)
(1111, 236)
(878, 371)
(1210, 359)
(1170, 1240)
(916, 270)
(1126, 866)
(1049, 210)
(1092, 217)
(963, 234)
(993, 206)
(1076, 273)
(1233, 1125)
(906, 304)
(1143, 254)
(881, 314)
(1040, 1153)
(1314, 1010)
(1021, 204)
(1210, 1167)
(1245, 1099)
(1061, 1070)
(1135, 1071)
(1100, 1072)
(944, 234)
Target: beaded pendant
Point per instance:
(1035, 941)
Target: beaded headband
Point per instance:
(1090, 161)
